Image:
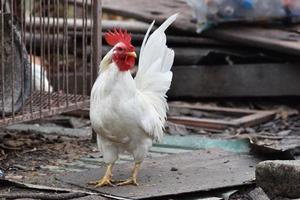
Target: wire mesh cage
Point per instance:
(49, 53)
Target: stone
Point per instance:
(279, 177)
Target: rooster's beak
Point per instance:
(133, 54)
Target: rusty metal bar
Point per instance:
(13, 60)
(91, 42)
(34, 47)
(53, 42)
(84, 53)
(66, 51)
(41, 52)
(30, 57)
(22, 15)
(97, 37)
(49, 59)
(86, 44)
(75, 51)
(57, 53)
(2, 60)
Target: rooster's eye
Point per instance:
(119, 49)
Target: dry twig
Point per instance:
(48, 196)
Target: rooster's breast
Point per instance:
(116, 114)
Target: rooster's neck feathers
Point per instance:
(106, 61)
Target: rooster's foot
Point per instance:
(106, 180)
(133, 179)
(130, 181)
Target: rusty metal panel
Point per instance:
(45, 45)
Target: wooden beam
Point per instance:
(283, 39)
(201, 123)
(248, 80)
(188, 41)
(96, 38)
(231, 111)
(147, 11)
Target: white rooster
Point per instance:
(129, 113)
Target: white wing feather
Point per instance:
(153, 78)
(37, 70)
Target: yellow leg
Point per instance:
(133, 179)
(106, 179)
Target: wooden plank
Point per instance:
(277, 39)
(147, 11)
(253, 80)
(244, 117)
(190, 41)
(195, 171)
(254, 119)
(235, 111)
(201, 123)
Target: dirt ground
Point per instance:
(25, 155)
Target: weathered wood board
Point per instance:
(175, 174)
(282, 39)
(253, 80)
(147, 11)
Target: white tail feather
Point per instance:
(153, 78)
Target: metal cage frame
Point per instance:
(45, 42)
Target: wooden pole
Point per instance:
(97, 37)
(97, 43)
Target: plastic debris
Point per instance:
(211, 12)
(2, 174)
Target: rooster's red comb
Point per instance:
(112, 38)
